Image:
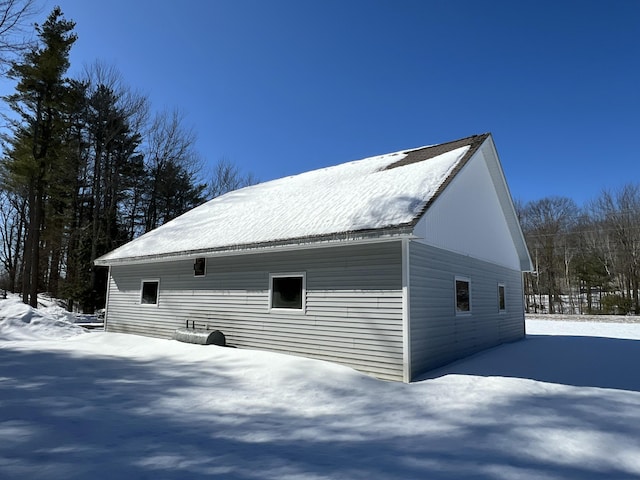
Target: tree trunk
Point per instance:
(34, 228)
(28, 247)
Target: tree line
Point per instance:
(586, 259)
(86, 165)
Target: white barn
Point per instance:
(392, 265)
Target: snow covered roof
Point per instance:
(376, 196)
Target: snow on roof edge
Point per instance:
(359, 237)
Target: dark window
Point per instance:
(462, 296)
(287, 292)
(501, 300)
(199, 267)
(149, 293)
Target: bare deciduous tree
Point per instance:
(12, 230)
(587, 255)
(546, 224)
(227, 177)
(15, 31)
(618, 215)
(173, 167)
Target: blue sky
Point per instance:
(279, 87)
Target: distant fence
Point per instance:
(90, 321)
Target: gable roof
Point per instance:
(370, 198)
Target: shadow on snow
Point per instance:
(64, 416)
(568, 360)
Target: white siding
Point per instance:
(468, 217)
(353, 303)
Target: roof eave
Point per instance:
(321, 241)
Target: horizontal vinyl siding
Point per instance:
(438, 335)
(353, 303)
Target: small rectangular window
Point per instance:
(199, 267)
(149, 292)
(501, 300)
(463, 295)
(287, 291)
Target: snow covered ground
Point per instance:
(562, 404)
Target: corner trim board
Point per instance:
(406, 312)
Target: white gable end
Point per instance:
(468, 218)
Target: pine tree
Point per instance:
(40, 100)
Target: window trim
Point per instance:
(204, 272)
(302, 275)
(149, 280)
(502, 299)
(460, 278)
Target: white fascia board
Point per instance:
(506, 200)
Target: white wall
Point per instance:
(467, 218)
